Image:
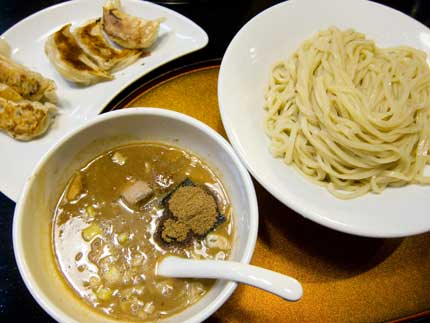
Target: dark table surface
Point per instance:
(221, 20)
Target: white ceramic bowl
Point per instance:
(274, 35)
(34, 210)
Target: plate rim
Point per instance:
(73, 2)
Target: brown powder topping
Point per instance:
(174, 230)
(192, 209)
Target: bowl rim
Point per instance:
(274, 190)
(245, 177)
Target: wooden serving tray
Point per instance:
(345, 278)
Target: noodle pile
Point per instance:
(351, 116)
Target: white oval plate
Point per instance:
(275, 34)
(178, 36)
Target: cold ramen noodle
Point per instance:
(349, 115)
(123, 212)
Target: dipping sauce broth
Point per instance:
(105, 231)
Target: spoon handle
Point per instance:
(281, 285)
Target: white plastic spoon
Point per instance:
(284, 286)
